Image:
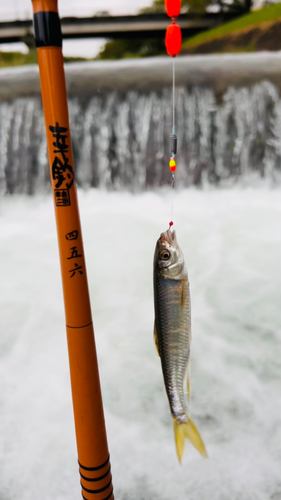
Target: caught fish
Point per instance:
(172, 335)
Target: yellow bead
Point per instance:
(172, 165)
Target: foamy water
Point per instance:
(231, 240)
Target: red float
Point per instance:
(173, 39)
(173, 7)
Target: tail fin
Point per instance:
(188, 430)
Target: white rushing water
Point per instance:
(122, 140)
(231, 240)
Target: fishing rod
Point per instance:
(173, 41)
(93, 455)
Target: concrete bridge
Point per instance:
(140, 26)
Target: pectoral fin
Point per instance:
(183, 294)
(156, 339)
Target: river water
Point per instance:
(229, 232)
(231, 240)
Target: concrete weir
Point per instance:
(85, 79)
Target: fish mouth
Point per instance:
(168, 237)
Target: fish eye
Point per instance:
(165, 255)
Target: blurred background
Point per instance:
(227, 209)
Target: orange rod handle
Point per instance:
(91, 437)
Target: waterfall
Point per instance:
(122, 139)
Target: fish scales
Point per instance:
(172, 322)
(172, 334)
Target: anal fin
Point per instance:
(156, 339)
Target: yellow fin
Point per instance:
(188, 430)
(179, 438)
(156, 339)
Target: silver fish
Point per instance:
(172, 335)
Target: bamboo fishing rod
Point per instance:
(93, 455)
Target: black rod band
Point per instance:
(47, 29)
(84, 326)
(94, 468)
(96, 478)
(107, 498)
(100, 490)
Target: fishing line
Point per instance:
(172, 163)
(173, 41)
(173, 104)
(172, 199)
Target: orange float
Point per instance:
(173, 37)
(93, 455)
(173, 8)
(173, 40)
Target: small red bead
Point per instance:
(173, 7)
(173, 39)
(171, 224)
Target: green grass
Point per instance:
(17, 58)
(255, 18)
(8, 59)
